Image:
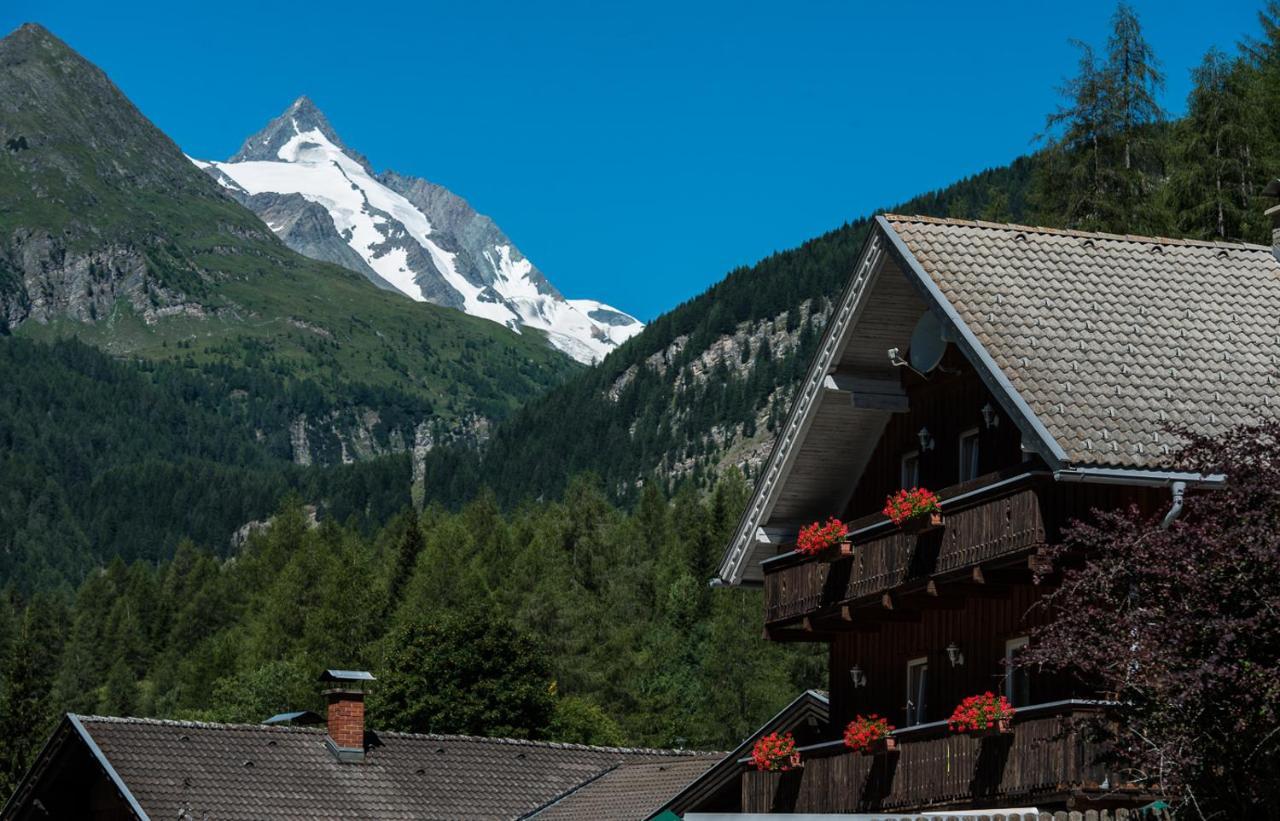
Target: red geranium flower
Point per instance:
(819, 536)
(864, 731)
(775, 753)
(908, 504)
(981, 712)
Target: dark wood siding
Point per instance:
(980, 630)
(948, 404)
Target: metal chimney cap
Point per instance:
(346, 675)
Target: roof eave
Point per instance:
(764, 496)
(105, 763)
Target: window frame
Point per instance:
(915, 711)
(965, 436)
(902, 469)
(1015, 679)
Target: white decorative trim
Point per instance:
(783, 454)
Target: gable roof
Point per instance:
(811, 705)
(250, 771)
(1091, 343)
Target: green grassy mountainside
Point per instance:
(109, 233)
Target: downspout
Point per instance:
(1178, 490)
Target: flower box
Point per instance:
(884, 746)
(923, 523)
(840, 550)
(1002, 726)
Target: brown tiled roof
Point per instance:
(247, 771)
(1110, 338)
(629, 791)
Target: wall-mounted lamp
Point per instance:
(926, 439)
(990, 417)
(954, 655)
(859, 678)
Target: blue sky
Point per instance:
(635, 152)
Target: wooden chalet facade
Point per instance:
(1028, 376)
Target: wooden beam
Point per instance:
(869, 392)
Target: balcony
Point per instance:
(1045, 761)
(990, 520)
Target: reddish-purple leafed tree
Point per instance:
(1182, 626)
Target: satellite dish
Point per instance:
(927, 344)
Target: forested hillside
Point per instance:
(594, 625)
(101, 458)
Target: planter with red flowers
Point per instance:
(983, 715)
(827, 540)
(870, 735)
(776, 753)
(915, 510)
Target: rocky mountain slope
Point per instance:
(108, 233)
(704, 386)
(403, 233)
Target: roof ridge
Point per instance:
(524, 742)
(1072, 232)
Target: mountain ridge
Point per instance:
(109, 234)
(403, 233)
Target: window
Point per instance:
(917, 690)
(969, 455)
(911, 469)
(1017, 681)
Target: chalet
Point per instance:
(96, 767)
(1027, 376)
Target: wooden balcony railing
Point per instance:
(1047, 759)
(981, 525)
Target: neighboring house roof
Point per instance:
(251, 771)
(629, 791)
(811, 705)
(1093, 344)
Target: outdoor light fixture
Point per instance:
(990, 417)
(954, 655)
(926, 439)
(859, 678)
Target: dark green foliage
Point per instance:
(569, 620)
(469, 673)
(102, 458)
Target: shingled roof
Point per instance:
(630, 791)
(246, 771)
(1110, 338)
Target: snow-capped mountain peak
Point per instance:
(403, 233)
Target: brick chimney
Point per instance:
(345, 698)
